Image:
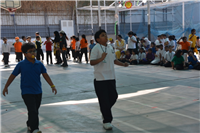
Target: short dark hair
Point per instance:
(157, 46)
(23, 37)
(27, 46)
(4, 38)
(97, 34)
(150, 49)
(77, 39)
(171, 37)
(130, 33)
(198, 37)
(184, 37)
(193, 30)
(47, 37)
(153, 43)
(37, 37)
(166, 46)
(120, 36)
(178, 53)
(161, 45)
(190, 51)
(158, 36)
(91, 40)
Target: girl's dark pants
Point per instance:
(84, 50)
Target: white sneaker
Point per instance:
(37, 131)
(28, 130)
(107, 126)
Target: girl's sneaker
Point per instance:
(107, 126)
(37, 131)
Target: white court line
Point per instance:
(20, 110)
(127, 124)
(122, 122)
(163, 110)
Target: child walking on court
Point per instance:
(5, 51)
(103, 60)
(39, 48)
(31, 90)
(48, 44)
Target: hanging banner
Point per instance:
(128, 5)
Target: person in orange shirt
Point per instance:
(193, 38)
(185, 44)
(73, 46)
(18, 51)
(84, 46)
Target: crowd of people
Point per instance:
(60, 48)
(165, 51)
(179, 54)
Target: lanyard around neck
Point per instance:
(102, 48)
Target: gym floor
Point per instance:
(152, 99)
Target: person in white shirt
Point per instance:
(158, 42)
(132, 42)
(122, 57)
(23, 39)
(163, 54)
(171, 42)
(5, 50)
(168, 57)
(77, 50)
(103, 59)
(157, 59)
(111, 42)
(147, 43)
(134, 58)
(141, 56)
(165, 40)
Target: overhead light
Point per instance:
(120, 5)
(144, 1)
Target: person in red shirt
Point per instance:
(48, 44)
(185, 44)
(84, 47)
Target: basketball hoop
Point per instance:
(11, 5)
(11, 11)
